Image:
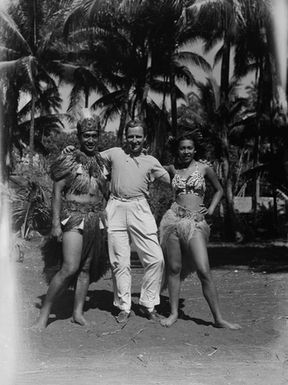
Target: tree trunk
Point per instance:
(32, 130)
(274, 185)
(229, 215)
(86, 99)
(8, 114)
(229, 212)
(275, 209)
(122, 123)
(173, 105)
(256, 179)
(239, 171)
(4, 136)
(225, 70)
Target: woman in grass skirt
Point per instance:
(184, 231)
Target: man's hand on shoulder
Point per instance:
(68, 150)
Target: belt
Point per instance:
(83, 208)
(127, 199)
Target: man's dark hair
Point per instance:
(136, 123)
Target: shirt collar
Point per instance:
(126, 149)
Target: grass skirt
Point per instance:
(94, 241)
(186, 224)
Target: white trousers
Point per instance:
(132, 221)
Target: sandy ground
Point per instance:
(190, 352)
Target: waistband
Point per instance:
(83, 208)
(183, 212)
(127, 199)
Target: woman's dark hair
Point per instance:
(136, 123)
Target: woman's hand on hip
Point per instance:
(56, 232)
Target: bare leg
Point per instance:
(80, 294)
(173, 266)
(72, 246)
(197, 246)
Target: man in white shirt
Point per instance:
(130, 220)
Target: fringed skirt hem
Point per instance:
(185, 224)
(94, 245)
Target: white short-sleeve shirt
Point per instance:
(131, 175)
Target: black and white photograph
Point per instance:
(143, 192)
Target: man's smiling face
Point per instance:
(88, 141)
(135, 139)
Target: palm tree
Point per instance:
(47, 119)
(220, 22)
(255, 38)
(28, 54)
(171, 33)
(15, 64)
(208, 114)
(118, 41)
(133, 35)
(118, 36)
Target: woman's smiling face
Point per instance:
(186, 151)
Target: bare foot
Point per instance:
(167, 322)
(227, 325)
(80, 320)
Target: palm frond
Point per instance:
(183, 73)
(218, 56)
(29, 66)
(30, 207)
(194, 59)
(44, 124)
(76, 17)
(7, 54)
(110, 112)
(211, 42)
(76, 98)
(236, 108)
(116, 97)
(198, 4)
(9, 67)
(159, 86)
(13, 29)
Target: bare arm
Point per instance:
(171, 171)
(104, 188)
(165, 178)
(213, 179)
(56, 230)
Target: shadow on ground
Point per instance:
(259, 257)
(268, 259)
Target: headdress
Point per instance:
(88, 122)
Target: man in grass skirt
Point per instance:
(77, 220)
